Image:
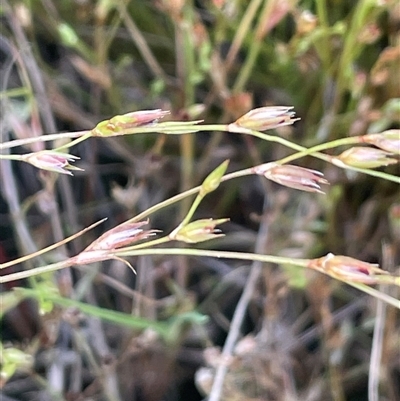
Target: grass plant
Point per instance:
(326, 174)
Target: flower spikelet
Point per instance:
(348, 269)
(265, 118)
(118, 125)
(364, 157)
(102, 248)
(292, 176)
(198, 231)
(388, 140)
(121, 235)
(52, 161)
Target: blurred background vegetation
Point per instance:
(65, 66)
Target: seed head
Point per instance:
(348, 269)
(198, 231)
(121, 235)
(265, 118)
(292, 176)
(388, 140)
(364, 157)
(119, 124)
(52, 161)
(102, 248)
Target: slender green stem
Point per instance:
(378, 174)
(323, 146)
(11, 157)
(34, 272)
(182, 128)
(161, 251)
(247, 67)
(16, 92)
(149, 244)
(376, 293)
(168, 128)
(140, 42)
(163, 204)
(51, 247)
(317, 155)
(185, 194)
(351, 49)
(216, 254)
(192, 210)
(324, 49)
(75, 142)
(186, 69)
(43, 138)
(255, 48)
(200, 252)
(241, 32)
(107, 314)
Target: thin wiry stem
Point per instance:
(161, 251)
(49, 248)
(234, 332)
(141, 43)
(43, 138)
(35, 78)
(379, 333)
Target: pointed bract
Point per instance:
(364, 157)
(349, 269)
(212, 181)
(265, 118)
(103, 247)
(291, 176)
(198, 231)
(118, 125)
(52, 161)
(121, 235)
(388, 140)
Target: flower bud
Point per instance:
(198, 231)
(369, 33)
(212, 181)
(348, 269)
(388, 140)
(264, 118)
(119, 124)
(291, 176)
(13, 359)
(364, 157)
(306, 22)
(52, 161)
